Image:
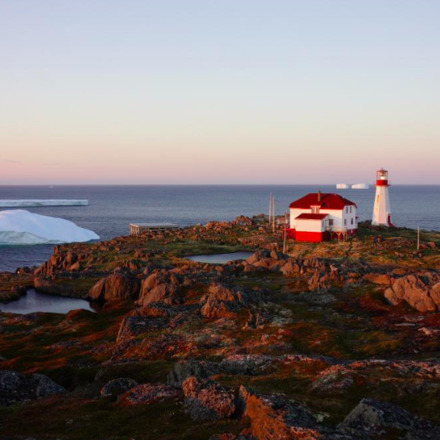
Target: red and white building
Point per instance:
(318, 217)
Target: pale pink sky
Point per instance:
(219, 92)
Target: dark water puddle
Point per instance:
(219, 258)
(41, 302)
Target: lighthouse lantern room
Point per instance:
(382, 209)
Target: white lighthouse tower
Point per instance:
(382, 209)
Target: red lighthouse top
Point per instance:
(382, 178)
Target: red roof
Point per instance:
(306, 216)
(326, 201)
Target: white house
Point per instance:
(319, 216)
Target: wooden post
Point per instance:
(418, 238)
(284, 239)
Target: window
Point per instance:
(330, 222)
(350, 209)
(352, 221)
(345, 222)
(315, 209)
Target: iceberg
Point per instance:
(27, 203)
(342, 186)
(360, 186)
(19, 226)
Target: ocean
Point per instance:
(112, 208)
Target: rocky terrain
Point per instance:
(336, 340)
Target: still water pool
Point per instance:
(41, 302)
(220, 258)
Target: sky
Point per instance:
(219, 91)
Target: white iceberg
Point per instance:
(26, 203)
(360, 186)
(342, 186)
(19, 226)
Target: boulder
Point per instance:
(184, 369)
(17, 388)
(222, 301)
(414, 290)
(291, 268)
(120, 285)
(160, 287)
(207, 400)
(378, 278)
(116, 387)
(242, 220)
(133, 326)
(258, 256)
(275, 417)
(376, 418)
(148, 393)
(246, 364)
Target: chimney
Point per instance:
(319, 195)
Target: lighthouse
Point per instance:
(382, 209)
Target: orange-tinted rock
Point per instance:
(273, 417)
(414, 290)
(378, 278)
(207, 400)
(222, 301)
(116, 286)
(148, 393)
(160, 287)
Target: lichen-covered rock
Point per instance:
(118, 285)
(47, 285)
(148, 393)
(416, 290)
(378, 278)
(376, 418)
(274, 417)
(114, 388)
(17, 388)
(133, 326)
(160, 287)
(207, 400)
(222, 301)
(184, 369)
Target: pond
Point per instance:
(41, 302)
(220, 258)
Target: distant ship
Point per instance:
(342, 186)
(360, 186)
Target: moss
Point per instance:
(75, 418)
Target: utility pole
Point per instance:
(273, 215)
(418, 238)
(270, 207)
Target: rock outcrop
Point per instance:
(275, 417)
(18, 388)
(375, 419)
(420, 291)
(223, 301)
(207, 400)
(114, 388)
(47, 285)
(148, 393)
(160, 287)
(116, 286)
(133, 326)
